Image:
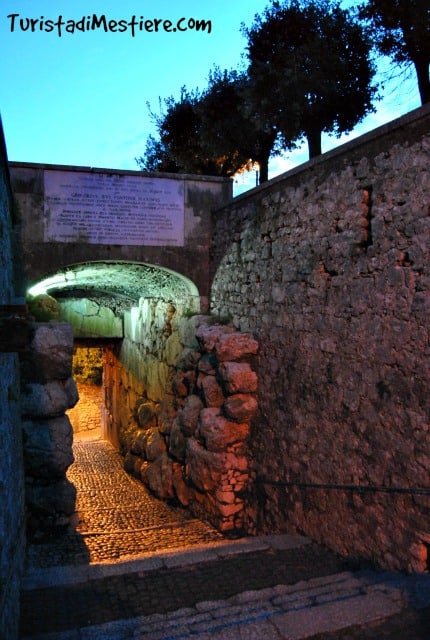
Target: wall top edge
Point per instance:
(411, 118)
(185, 177)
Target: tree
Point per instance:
(215, 132)
(178, 148)
(310, 67)
(401, 30)
(232, 126)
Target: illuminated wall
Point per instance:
(328, 266)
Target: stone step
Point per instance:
(320, 605)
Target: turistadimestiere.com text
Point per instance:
(131, 26)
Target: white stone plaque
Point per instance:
(103, 208)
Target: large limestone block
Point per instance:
(189, 416)
(159, 476)
(204, 468)
(208, 336)
(50, 399)
(238, 377)
(157, 377)
(212, 391)
(181, 488)
(50, 499)
(173, 349)
(178, 442)
(188, 328)
(155, 444)
(240, 407)
(218, 433)
(48, 447)
(51, 353)
(235, 346)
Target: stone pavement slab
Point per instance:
(320, 607)
(137, 569)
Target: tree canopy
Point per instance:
(401, 30)
(310, 65)
(309, 70)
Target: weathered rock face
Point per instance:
(193, 445)
(12, 507)
(329, 268)
(47, 392)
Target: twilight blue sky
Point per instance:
(80, 99)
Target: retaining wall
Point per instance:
(179, 408)
(328, 266)
(47, 392)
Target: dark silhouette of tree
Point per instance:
(216, 132)
(310, 69)
(178, 148)
(232, 126)
(401, 30)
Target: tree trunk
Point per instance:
(314, 143)
(264, 169)
(421, 68)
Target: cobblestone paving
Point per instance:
(119, 520)
(117, 517)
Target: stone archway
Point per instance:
(178, 388)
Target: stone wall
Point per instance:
(328, 266)
(12, 524)
(40, 257)
(47, 392)
(183, 405)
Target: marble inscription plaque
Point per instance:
(102, 208)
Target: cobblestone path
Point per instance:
(117, 517)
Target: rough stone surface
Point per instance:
(328, 267)
(50, 399)
(48, 447)
(240, 407)
(188, 417)
(12, 505)
(159, 475)
(235, 346)
(47, 432)
(218, 433)
(212, 392)
(173, 430)
(238, 377)
(51, 353)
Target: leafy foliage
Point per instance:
(401, 30)
(310, 66)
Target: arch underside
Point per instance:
(127, 280)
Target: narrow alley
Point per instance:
(117, 517)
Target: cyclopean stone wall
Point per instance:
(47, 392)
(12, 517)
(184, 393)
(328, 266)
